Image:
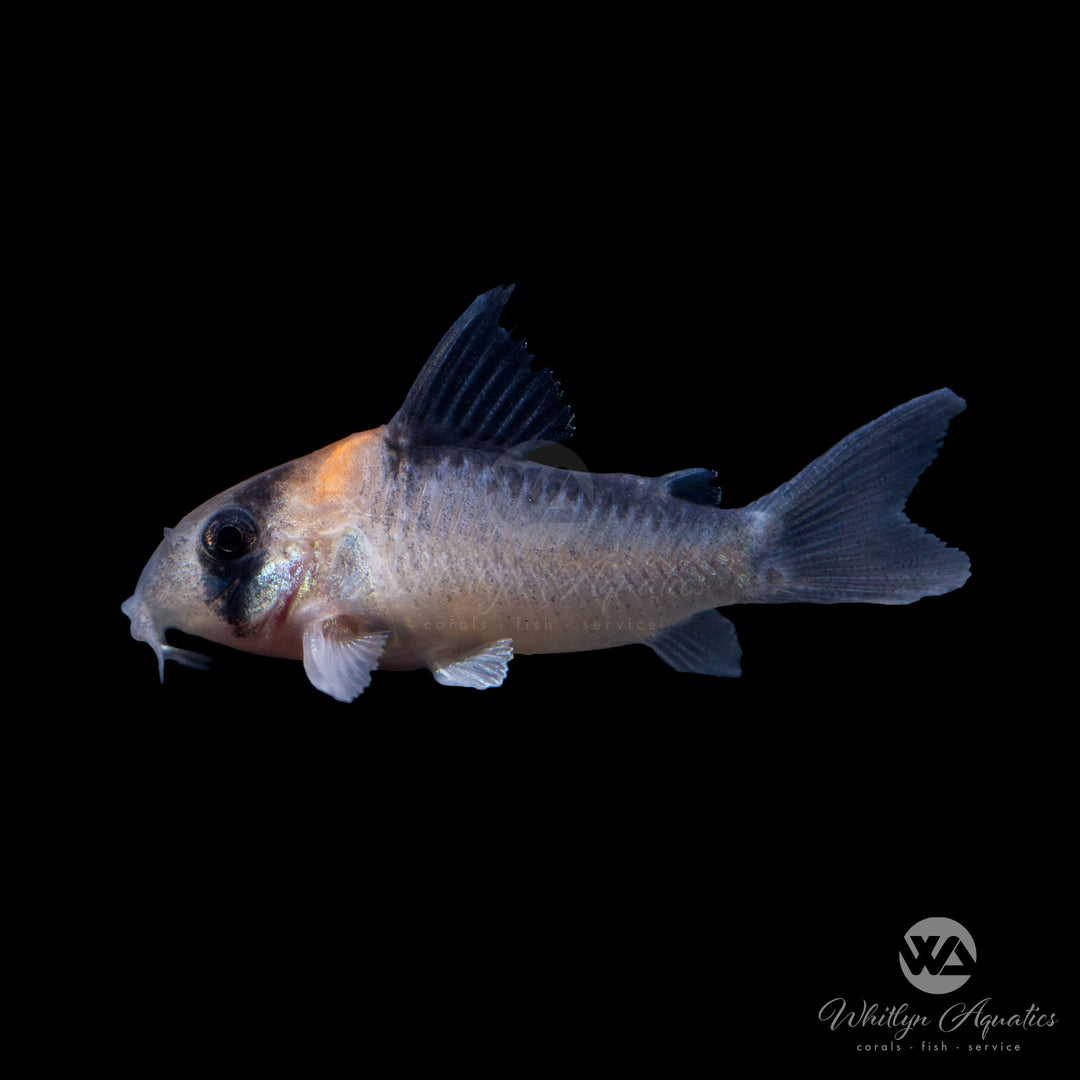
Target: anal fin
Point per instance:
(704, 644)
(480, 669)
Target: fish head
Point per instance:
(230, 572)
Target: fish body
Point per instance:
(435, 541)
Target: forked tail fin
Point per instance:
(837, 531)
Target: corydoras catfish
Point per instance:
(434, 541)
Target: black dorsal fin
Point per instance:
(478, 390)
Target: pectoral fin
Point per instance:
(339, 656)
(481, 669)
(704, 644)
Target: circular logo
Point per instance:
(937, 956)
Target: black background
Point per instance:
(602, 854)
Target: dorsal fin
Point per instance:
(478, 390)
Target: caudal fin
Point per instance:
(837, 531)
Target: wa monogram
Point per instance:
(937, 955)
(923, 958)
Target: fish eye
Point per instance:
(230, 534)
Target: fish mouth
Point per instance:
(144, 627)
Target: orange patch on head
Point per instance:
(338, 473)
